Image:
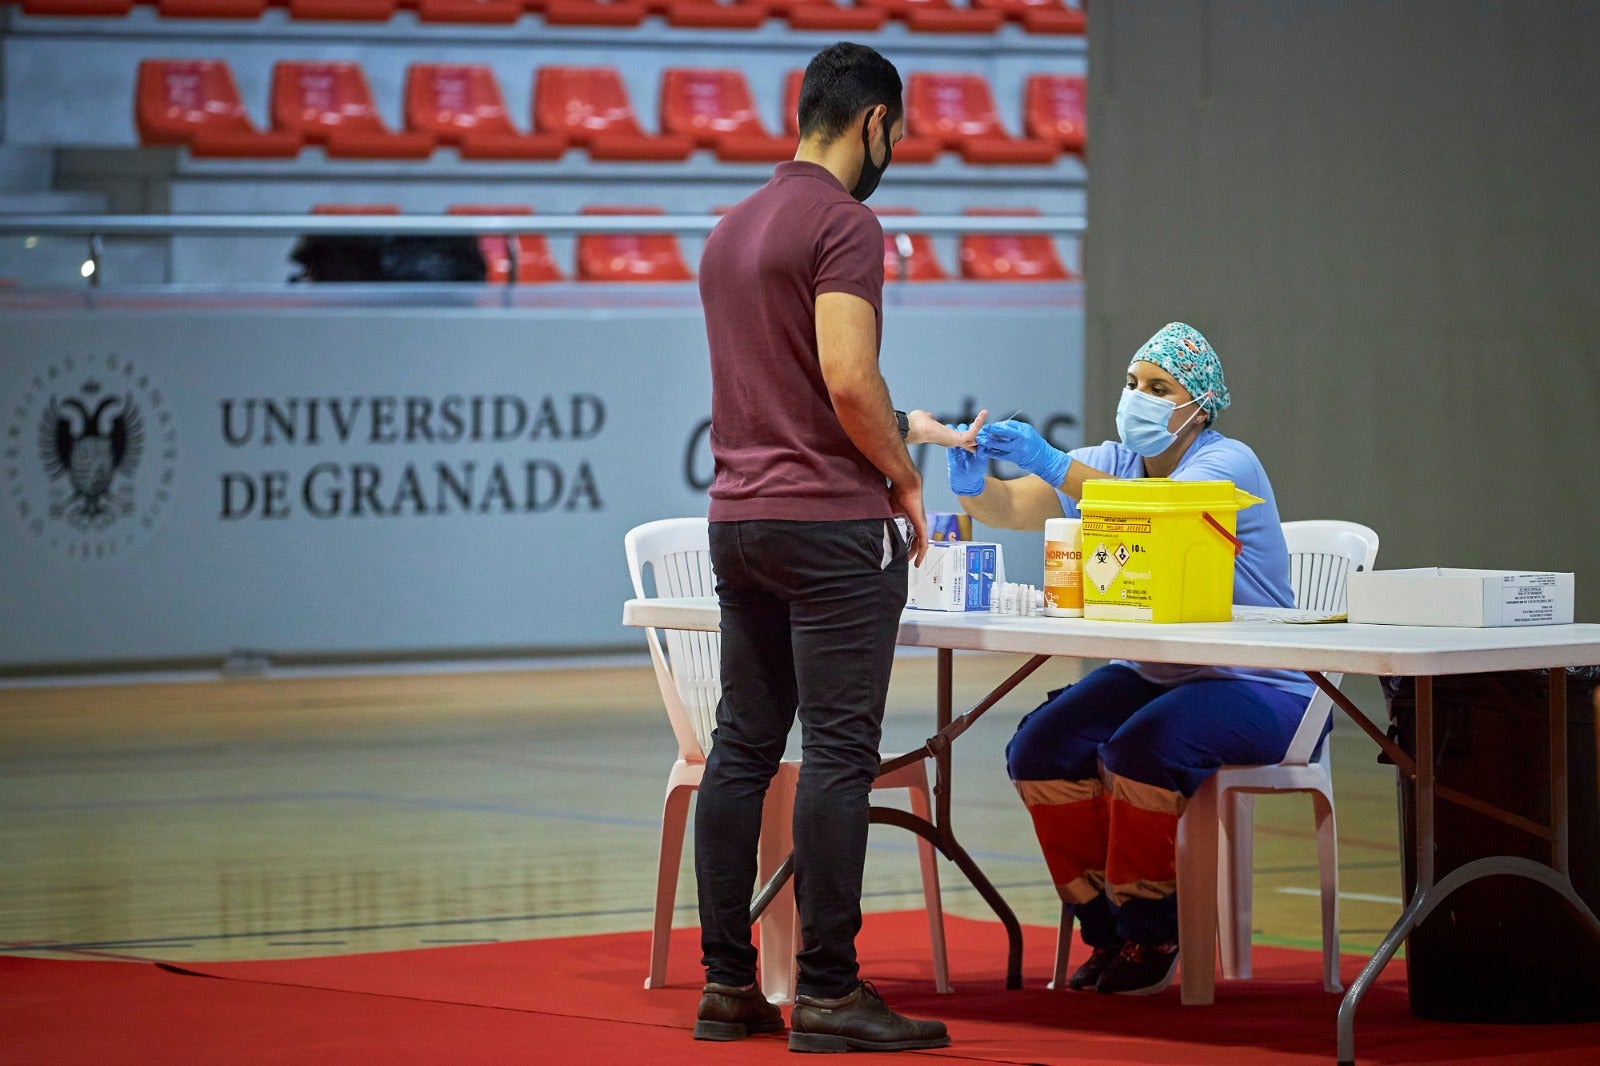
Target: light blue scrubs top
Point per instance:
(1260, 571)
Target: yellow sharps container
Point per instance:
(1158, 550)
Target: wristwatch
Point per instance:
(902, 420)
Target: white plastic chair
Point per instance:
(687, 663)
(1215, 853)
(1215, 836)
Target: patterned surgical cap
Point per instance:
(1182, 351)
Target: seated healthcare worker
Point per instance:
(1106, 766)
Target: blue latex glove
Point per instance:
(1020, 443)
(967, 469)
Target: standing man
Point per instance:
(811, 470)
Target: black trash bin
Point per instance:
(1503, 949)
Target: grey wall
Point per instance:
(1386, 217)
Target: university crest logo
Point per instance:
(89, 454)
(95, 444)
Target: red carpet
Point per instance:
(580, 1000)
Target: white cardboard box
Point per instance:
(956, 576)
(1442, 596)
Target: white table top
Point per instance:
(1337, 647)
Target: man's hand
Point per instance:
(925, 429)
(1021, 444)
(907, 500)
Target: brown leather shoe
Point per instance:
(860, 1021)
(731, 1013)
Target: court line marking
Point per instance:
(1363, 897)
(100, 946)
(421, 802)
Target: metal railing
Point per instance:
(96, 228)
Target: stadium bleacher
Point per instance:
(714, 108)
(194, 103)
(461, 105)
(330, 104)
(532, 262)
(436, 105)
(627, 256)
(1018, 256)
(918, 16)
(589, 107)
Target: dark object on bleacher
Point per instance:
(1503, 949)
(388, 258)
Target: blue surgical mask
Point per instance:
(1142, 421)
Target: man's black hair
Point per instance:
(842, 81)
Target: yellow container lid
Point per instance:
(1164, 494)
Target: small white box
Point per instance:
(956, 576)
(1442, 596)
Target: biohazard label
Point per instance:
(1103, 563)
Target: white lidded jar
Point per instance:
(1063, 567)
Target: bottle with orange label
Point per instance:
(1063, 568)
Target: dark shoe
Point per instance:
(860, 1021)
(1087, 976)
(1140, 970)
(731, 1013)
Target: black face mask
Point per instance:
(871, 173)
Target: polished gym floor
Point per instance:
(283, 815)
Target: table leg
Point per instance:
(1428, 895)
(939, 832)
(1424, 902)
(1558, 770)
(957, 854)
(1422, 770)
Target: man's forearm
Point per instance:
(868, 419)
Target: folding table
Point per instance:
(1422, 652)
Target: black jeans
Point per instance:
(809, 616)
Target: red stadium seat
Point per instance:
(825, 15)
(919, 263)
(343, 10)
(630, 257)
(791, 101)
(588, 107)
(490, 12)
(909, 150)
(1010, 256)
(715, 109)
(939, 16)
(915, 150)
(533, 262)
(211, 9)
(1039, 16)
(708, 14)
(1056, 109)
(594, 12)
(79, 8)
(331, 105)
(355, 209)
(194, 102)
(958, 112)
(461, 105)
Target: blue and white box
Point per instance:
(956, 576)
